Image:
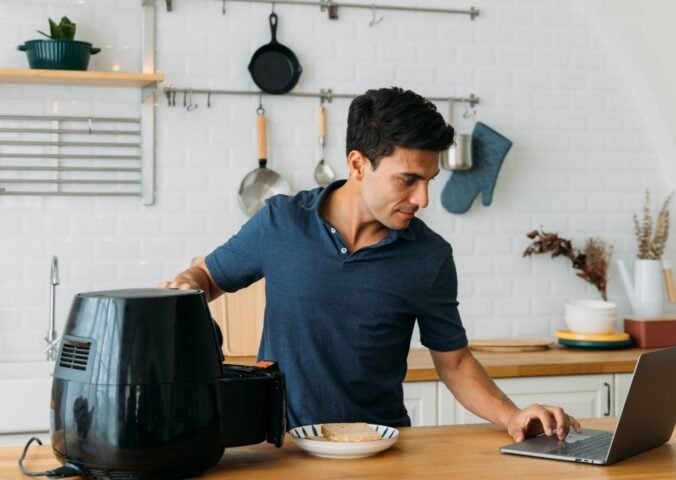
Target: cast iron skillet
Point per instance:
(274, 67)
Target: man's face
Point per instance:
(398, 187)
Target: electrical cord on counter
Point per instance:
(67, 470)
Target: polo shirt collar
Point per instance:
(407, 233)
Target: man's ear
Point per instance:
(357, 163)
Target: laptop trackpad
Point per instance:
(545, 444)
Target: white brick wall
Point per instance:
(582, 155)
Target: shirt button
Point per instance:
(343, 250)
(333, 230)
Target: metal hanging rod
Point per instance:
(71, 119)
(73, 131)
(324, 95)
(331, 7)
(65, 182)
(71, 194)
(17, 168)
(40, 143)
(74, 156)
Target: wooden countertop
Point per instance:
(554, 361)
(462, 451)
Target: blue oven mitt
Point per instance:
(489, 149)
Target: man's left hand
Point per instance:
(536, 419)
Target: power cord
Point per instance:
(67, 470)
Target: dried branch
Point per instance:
(651, 245)
(593, 262)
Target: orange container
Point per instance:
(652, 332)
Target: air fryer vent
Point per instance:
(96, 474)
(74, 355)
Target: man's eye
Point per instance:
(408, 181)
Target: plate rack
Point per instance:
(71, 156)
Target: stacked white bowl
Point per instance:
(591, 316)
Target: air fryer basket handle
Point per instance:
(277, 426)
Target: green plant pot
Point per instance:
(58, 54)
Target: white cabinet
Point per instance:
(622, 382)
(583, 396)
(420, 399)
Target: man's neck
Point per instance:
(344, 209)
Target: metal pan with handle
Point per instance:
(261, 183)
(274, 67)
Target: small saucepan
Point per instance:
(274, 67)
(261, 183)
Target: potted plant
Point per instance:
(60, 52)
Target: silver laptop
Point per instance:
(647, 419)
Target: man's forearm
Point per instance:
(476, 390)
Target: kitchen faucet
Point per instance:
(52, 338)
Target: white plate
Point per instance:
(342, 450)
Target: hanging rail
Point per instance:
(118, 168)
(323, 95)
(331, 7)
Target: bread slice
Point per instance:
(349, 432)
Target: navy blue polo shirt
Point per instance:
(339, 323)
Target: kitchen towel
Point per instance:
(489, 149)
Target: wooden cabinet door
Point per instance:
(240, 316)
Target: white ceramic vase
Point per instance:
(646, 292)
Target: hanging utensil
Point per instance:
(261, 183)
(274, 67)
(324, 174)
(459, 154)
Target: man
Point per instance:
(349, 269)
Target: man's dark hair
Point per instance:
(382, 119)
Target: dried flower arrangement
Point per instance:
(593, 261)
(651, 246)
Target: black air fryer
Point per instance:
(140, 390)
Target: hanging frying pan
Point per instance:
(274, 67)
(261, 183)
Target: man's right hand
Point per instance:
(180, 284)
(196, 277)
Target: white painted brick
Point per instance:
(495, 77)
(514, 57)
(486, 286)
(535, 119)
(534, 37)
(476, 56)
(493, 328)
(585, 224)
(553, 58)
(568, 203)
(514, 264)
(532, 78)
(515, 16)
(470, 267)
(476, 307)
(589, 60)
(493, 245)
(512, 306)
(531, 285)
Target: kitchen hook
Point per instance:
(191, 106)
(467, 113)
(209, 99)
(89, 125)
(223, 10)
(374, 21)
(260, 110)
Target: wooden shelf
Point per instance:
(77, 77)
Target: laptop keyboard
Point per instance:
(593, 448)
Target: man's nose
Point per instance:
(421, 196)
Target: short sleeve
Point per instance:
(239, 261)
(441, 328)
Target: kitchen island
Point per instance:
(460, 451)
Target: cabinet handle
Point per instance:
(607, 412)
